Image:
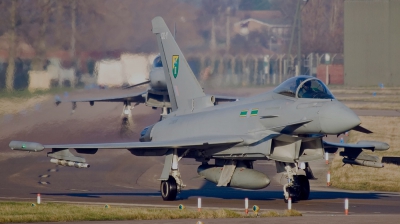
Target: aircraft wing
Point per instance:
(192, 143)
(354, 153)
(133, 97)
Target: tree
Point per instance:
(212, 15)
(46, 8)
(12, 47)
(323, 26)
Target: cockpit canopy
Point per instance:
(304, 87)
(157, 63)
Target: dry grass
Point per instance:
(15, 105)
(57, 212)
(386, 129)
(19, 100)
(372, 105)
(366, 90)
(363, 98)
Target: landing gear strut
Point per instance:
(297, 188)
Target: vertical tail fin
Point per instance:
(184, 90)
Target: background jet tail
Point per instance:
(185, 92)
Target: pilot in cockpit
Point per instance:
(306, 91)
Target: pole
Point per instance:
(293, 27)
(326, 158)
(327, 75)
(38, 199)
(299, 40)
(228, 29)
(246, 206)
(199, 204)
(328, 179)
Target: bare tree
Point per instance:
(323, 26)
(73, 29)
(46, 7)
(12, 47)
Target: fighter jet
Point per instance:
(285, 125)
(156, 95)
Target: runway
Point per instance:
(118, 177)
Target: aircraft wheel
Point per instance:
(304, 187)
(169, 189)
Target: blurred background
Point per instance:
(76, 43)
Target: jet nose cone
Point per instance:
(336, 118)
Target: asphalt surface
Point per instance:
(118, 177)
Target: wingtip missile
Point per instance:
(69, 163)
(26, 146)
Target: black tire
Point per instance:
(304, 187)
(168, 189)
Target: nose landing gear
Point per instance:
(297, 188)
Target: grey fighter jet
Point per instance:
(156, 95)
(286, 125)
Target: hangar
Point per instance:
(372, 42)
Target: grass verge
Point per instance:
(20, 100)
(28, 94)
(349, 177)
(372, 105)
(60, 212)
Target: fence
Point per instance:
(231, 70)
(253, 70)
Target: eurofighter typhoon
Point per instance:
(286, 125)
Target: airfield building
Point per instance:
(372, 42)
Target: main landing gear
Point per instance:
(297, 188)
(171, 187)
